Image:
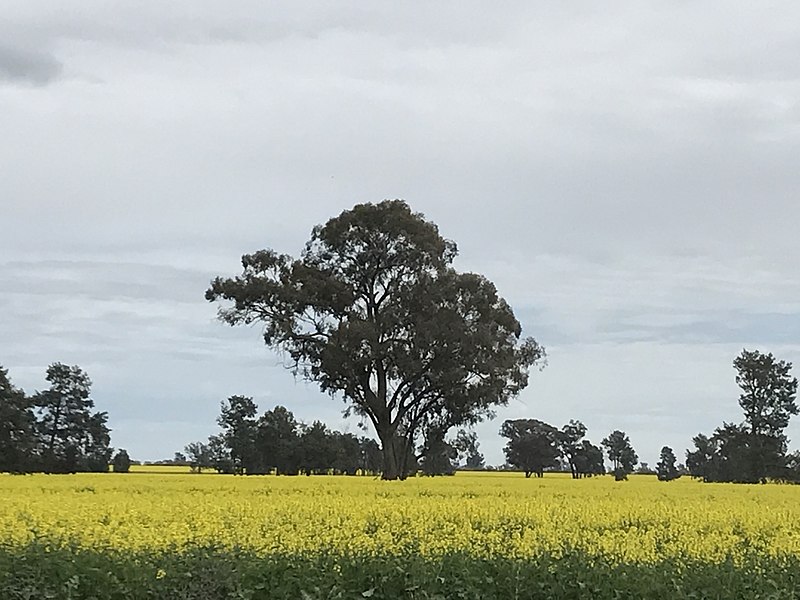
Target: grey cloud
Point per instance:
(35, 67)
(156, 29)
(626, 174)
(719, 326)
(570, 300)
(107, 280)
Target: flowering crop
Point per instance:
(483, 515)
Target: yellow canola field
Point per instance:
(483, 514)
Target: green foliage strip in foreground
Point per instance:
(205, 573)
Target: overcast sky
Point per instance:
(627, 173)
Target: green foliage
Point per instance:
(277, 442)
(36, 571)
(702, 462)
(589, 460)
(665, 468)
(584, 458)
(569, 442)
(439, 457)
(621, 454)
(55, 430)
(768, 392)
(198, 455)
(238, 422)
(468, 448)
(121, 463)
(315, 449)
(532, 445)
(373, 310)
(71, 437)
(755, 450)
(219, 455)
(17, 428)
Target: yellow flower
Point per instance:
(483, 514)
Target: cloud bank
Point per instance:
(627, 175)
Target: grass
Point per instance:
(207, 573)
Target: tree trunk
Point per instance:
(391, 464)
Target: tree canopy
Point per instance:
(666, 470)
(73, 438)
(754, 450)
(532, 445)
(374, 311)
(768, 392)
(17, 427)
(278, 443)
(55, 430)
(620, 453)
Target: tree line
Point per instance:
(56, 430)
(535, 447)
(276, 442)
(752, 451)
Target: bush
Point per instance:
(121, 462)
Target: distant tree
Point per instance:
(121, 463)
(373, 311)
(466, 443)
(180, 459)
(532, 445)
(198, 455)
(438, 456)
(768, 393)
(792, 469)
(316, 449)
(703, 461)
(97, 444)
(239, 432)
(277, 444)
(744, 458)
(589, 460)
(621, 454)
(17, 428)
(569, 442)
(347, 457)
(644, 469)
(371, 456)
(665, 468)
(755, 450)
(72, 437)
(219, 455)
(736, 457)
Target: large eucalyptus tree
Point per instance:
(373, 310)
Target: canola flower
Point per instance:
(485, 515)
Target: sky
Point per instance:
(626, 173)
